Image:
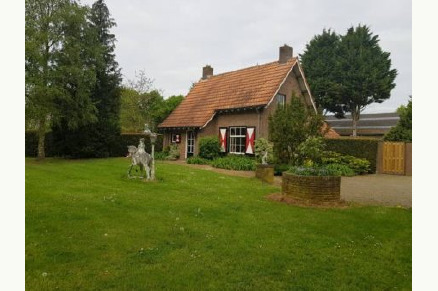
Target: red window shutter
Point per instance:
(223, 139)
(250, 137)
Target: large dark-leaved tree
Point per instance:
(100, 138)
(361, 71)
(58, 72)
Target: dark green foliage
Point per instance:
(403, 130)
(235, 162)
(290, 126)
(60, 66)
(319, 61)
(198, 161)
(325, 170)
(209, 147)
(119, 149)
(358, 165)
(280, 168)
(98, 139)
(359, 148)
(161, 155)
(348, 72)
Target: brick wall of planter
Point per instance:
(312, 188)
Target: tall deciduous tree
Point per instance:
(97, 139)
(361, 73)
(57, 71)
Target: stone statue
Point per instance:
(140, 157)
(265, 158)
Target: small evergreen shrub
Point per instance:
(359, 166)
(209, 147)
(340, 170)
(235, 162)
(198, 161)
(173, 152)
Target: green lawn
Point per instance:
(90, 228)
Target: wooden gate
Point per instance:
(394, 158)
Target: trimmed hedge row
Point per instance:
(120, 150)
(357, 147)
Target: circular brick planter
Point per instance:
(316, 189)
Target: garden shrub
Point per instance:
(173, 152)
(326, 170)
(359, 166)
(364, 148)
(209, 147)
(280, 168)
(161, 155)
(260, 146)
(309, 152)
(235, 162)
(198, 161)
(340, 170)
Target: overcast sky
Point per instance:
(172, 40)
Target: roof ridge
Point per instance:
(254, 66)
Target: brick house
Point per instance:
(235, 105)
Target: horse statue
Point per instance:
(140, 157)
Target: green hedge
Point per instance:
(356, 147)
(120, 150)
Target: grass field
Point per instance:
(90, 228)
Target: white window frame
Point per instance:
(232, 140)
(281, 101)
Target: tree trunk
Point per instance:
(41, 138)
(355, 117)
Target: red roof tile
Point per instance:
(249, 87)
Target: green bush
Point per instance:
(328, 170)
(280, 168)
(359, 166)
(358, 147)
(209, 147)
(173, 152)
(161, 155)
(198, 161)
(262, 145)
(235, 162)
(340, 170)
(310, 151)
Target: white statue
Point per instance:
(140, 157)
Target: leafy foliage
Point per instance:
(358, 165)
(360, 71)
(403, 130)
(289, 126)
(209, 147)
(262, 145)
(99, 138)
(235, 162)
(363, 148)
(174, 152)
(310, 151)
(198, 161)
(60, 66)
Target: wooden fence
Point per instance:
(395, 158)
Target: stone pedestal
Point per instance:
(265, 173)
(316, 189)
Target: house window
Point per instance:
(190, 143)
(281, 99)
(175, 138)
(237, 140)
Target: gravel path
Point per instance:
(388, 190)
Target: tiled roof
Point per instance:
(249, 87)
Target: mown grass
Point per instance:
(90, 228)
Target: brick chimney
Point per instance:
(285, 54)
(207, 71)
